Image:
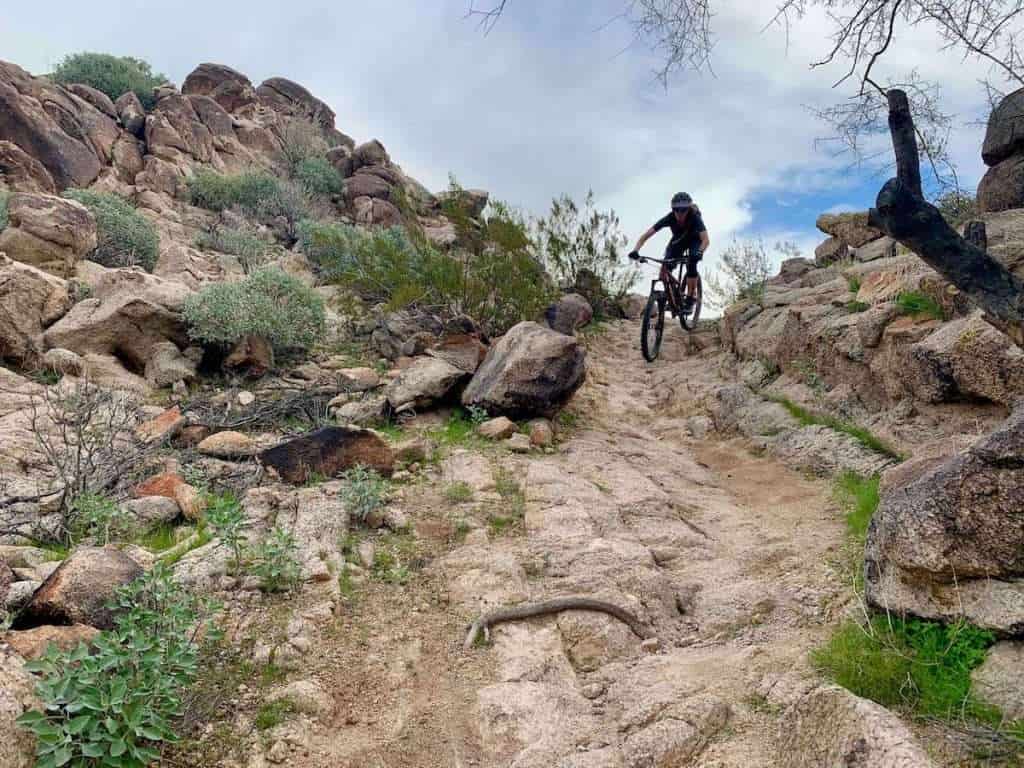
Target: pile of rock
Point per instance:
(1002, 187)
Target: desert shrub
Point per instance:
(112, 704)
(921, 667)
(98, 517)
(217, 191)
(743, 271)
(274, 561)
(225, 516)
(124, 237)
(364, 492)
(957, 207)
(458, 493)
(915, 303)
(113, 75)
(281, 309)
(317, 176)
(248, 245)
(4, 195)
(576, 242)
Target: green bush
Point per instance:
(4, 194)
(113, 75)
(112, 704)
(224, 514)
(281, 309)
(98, 517)
(915, 303)
(921, 667)
(251, 249)
(124, 237)
(859, 497)
(274, 561)
(317, 176)
(364, 493)
(217, 191)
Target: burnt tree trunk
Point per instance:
(902, 213)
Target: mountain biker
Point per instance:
(689, 240)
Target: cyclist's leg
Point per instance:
(692, 257)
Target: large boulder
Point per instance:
(98, 99)
(569, 314)
(229, 88)
(22, 172)
(428, 381)
(48, 232)
(129, 315)
(851, 228)
(328, 452)
(374, 212)
(463, 350)
(396, 330)
(66, 134)
(831, 251)
(291, 99)
(530, 371)
(1002, 186)
(1000, 680)
(30, 301)
(79, 590)
(131, 113)
(950, 543)
(17, 696)
(175, 131)
(1005, 134)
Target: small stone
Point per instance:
(163, 427)
(542, 434)
(651, 645)
(278, 752)
(228, 445)
(592, 691)
(402, 476)
(367, 554)
(307, 697)
(519, 443)
(246, 398)
(396, 519)
(307, 371)
(18, 595)
(497, 429)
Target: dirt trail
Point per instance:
(727, 556)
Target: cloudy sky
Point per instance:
(557, 98)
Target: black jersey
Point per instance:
(684, 236)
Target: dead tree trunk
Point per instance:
(902, 213)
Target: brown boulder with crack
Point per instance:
(228, 87)
(530, 371)
(79, 590)
(569, 314)
(1004, 135)
(950, 543)
(429, 380)
(132, 113)
(463, 350)
(48, 232)
(23, 173)
(30, 301)
(1002, 186)
(851, 228)
(252, 357)
(328, 452)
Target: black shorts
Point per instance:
(692, 255)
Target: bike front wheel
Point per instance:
(652, 327)
(689, 321)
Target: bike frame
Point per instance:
(672, 283)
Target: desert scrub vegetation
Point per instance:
(114, 704)
(915, 304)
(256, 193)
(245, 243)
(579, 244)
(957, 207)
(124, 237)
(225, 516)
(364, 492)
(113, 75)
(99, 518)
(863, 436)
(304, 155)
(742, 272)
(274, 561)
(281, 309)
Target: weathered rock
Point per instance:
(228, 445)
(17, 696)
(31, 644)
(329, 452)
(829, 726)
(167, 365)
(463, 350)
(530, 371)
(151, 511)
(174, 130)
(163, 427)
(831, 251)
(98, 99)
(23, 173)
(569, 314)
(78, 591)
(364, 412)
(883, 248)
(354, 379)
(307, 697)
(63, 362)
(428, 381)
(48, 232)
(542, 434)
(497, 429)
(363, 184)
(376, 212)
(288, 98)
(1000, 680)
(950, 543)
(396, 328)
(519, 443)
(30, 301)
(1005, 133)
(252, 356)
(826, 452)
(132, 113)
(170, 485)
(6, 579)
(851, 228)
(230, 89)
(631, 306)
(472, 200)
(1002, 186)
(341, 158)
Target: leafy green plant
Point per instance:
(269, 303)
(98, 517)
(860, 434)
(513, 508)
(113, 704)
(853, 281)
(921, 667)
(272, 713)
(859, 497)
(159, 539)
(318, 176)
(113, 75)
(915, 303)
(364, 492)
(460, 429)
(458, 493)
(225, 516)
(124, 237)
(275, 563)
(478, 414)
(218, 192)
(4, 196)
(388, 567)
(251, 249)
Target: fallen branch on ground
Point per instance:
(531, 610)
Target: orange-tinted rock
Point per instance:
(32, 643)
(163, 427)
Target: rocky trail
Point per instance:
(729, 558)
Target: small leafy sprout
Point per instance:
(275, 561)
(98, 517)
(225, 516)
(273, 713)
(364, 492)
(477, 414)
(458, 493)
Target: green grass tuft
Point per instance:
(273, 713)
(857, 306)
(159, 539)
(853, 281)
(915, 303)
(458, 493)
(858, 495)
(808, 418)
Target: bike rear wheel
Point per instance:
(652, 327)
(689, 321)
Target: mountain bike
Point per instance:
(672, 297)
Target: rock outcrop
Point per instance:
(30, 302)
(1002, 187)
(48, 232)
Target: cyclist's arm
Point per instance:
(644, 238)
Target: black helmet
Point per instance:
(681, 201)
